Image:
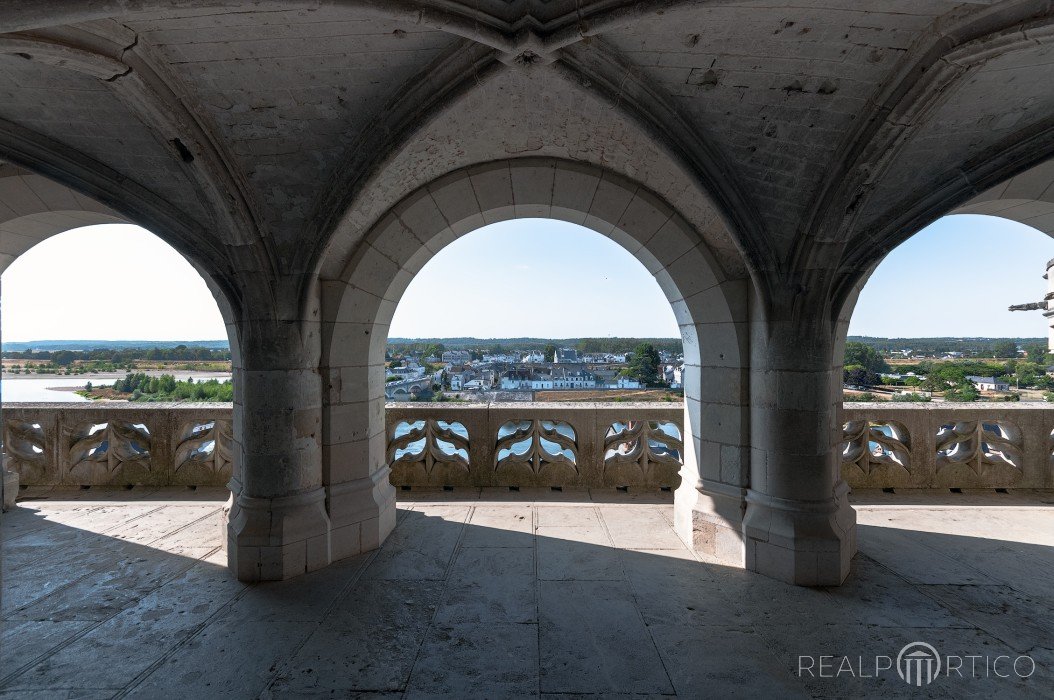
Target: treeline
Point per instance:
(863, 366)
(977, 347)
(499, 346)
(142, 387)
(64, 358)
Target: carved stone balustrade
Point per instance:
(430, 445)
(948, 445)
(118, 444)
(535, 444)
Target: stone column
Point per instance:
(710, 502)
(10, 484)
(278, 526)
(360, 497)
(798, 525)
(8, 478)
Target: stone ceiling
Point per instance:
(793, 136)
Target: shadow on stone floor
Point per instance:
(502, 600)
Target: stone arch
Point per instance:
(1027, 198)
(710, 308)
(34, 209)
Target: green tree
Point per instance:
(589, 346)
(1037, 352)
(964, 391)
(549, 352)
(865, 356)
(856, 375)
(644, 366)
(1004, 348)
(1026, 373)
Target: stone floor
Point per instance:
(498, 594)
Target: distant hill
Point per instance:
(53, 345)
(608, 344)
(517, 342)
(966, 345)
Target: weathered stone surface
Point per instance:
(482, 598)
(309, 159)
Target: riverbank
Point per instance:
(62, 388)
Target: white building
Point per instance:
(457, 357)
(573, 379)
(989, 383)
(459, 380)
(674, 375)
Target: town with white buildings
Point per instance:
(518, 376)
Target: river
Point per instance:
(57, 388)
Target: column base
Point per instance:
(708, 517)
(807, 543)
(228, 512)
(10, 488)
(272, 539)
(361, 512)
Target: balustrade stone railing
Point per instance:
(431, 445)
(118, 444)
(948, 445)
(535, 444)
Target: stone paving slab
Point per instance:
(541, 597)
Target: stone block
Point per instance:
(609, 203)
(421, 215)
(360, 500)
(10, 487)
(689, 274)
(532, 188)
(457, 202)
(347, 461)
(353, 344)
(343, 423)
(573, 190)
(394, 240)
(345, 541)
(268, 538)
(492, 183)
(805, 543)
(644, 217)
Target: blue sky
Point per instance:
(955, 278)
(529, 277)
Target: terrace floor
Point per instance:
(108, 594)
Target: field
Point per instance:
(601, 395)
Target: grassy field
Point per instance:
(628, 395)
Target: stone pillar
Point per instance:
(710, 502)
(798, 525)
(9, 480)
(10, 484)
(277, 521)
(360, 497)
